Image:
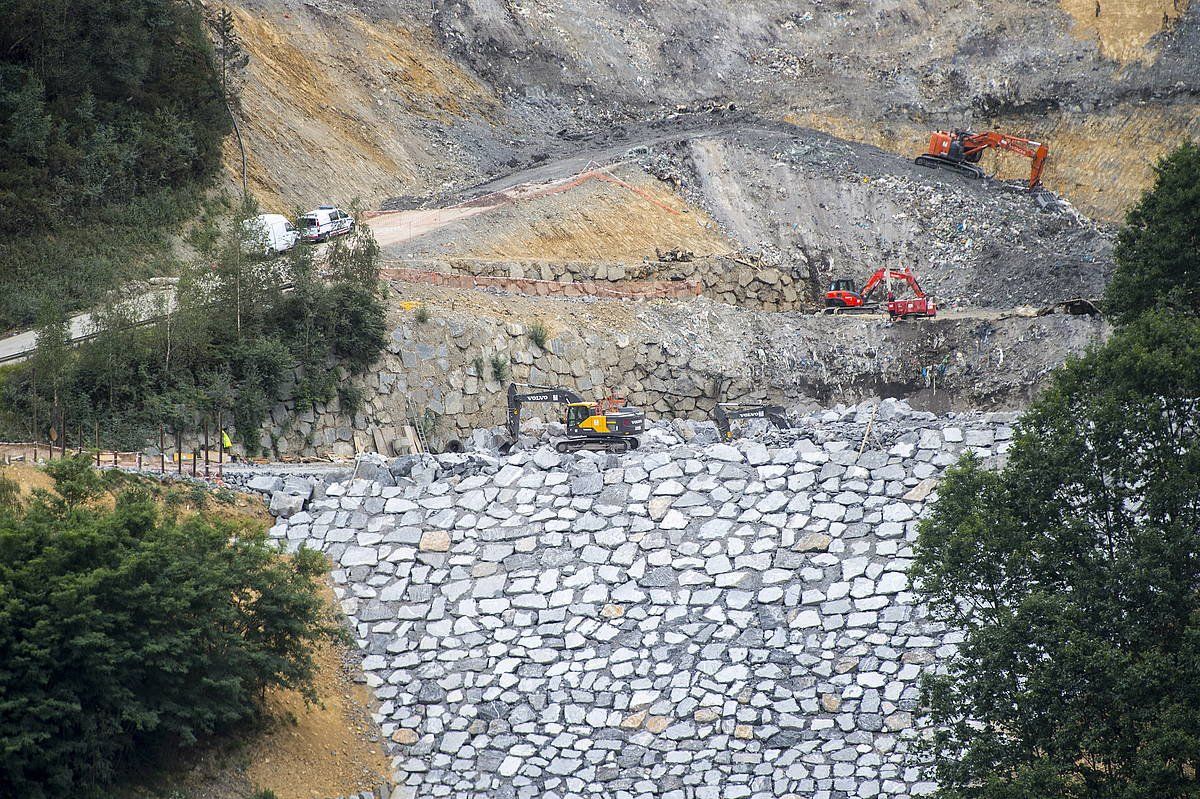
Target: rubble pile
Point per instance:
(688, 619)
(815, 204)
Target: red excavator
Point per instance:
(960, 151)
(842, 298)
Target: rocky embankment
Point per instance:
(687, 620)
(675, 360)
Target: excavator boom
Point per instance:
(880, 275)
(726, 412)
(1035, 151)
(593, 425)
(960, 151)
(555, 394)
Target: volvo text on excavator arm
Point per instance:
(559, 396)
(727, 412)
(960, 151)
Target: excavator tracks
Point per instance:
(963, 168)
(602, 444)
(851, 309)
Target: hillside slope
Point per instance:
(412, 98)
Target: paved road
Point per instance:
(145, 309)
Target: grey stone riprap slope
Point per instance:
(697, 621)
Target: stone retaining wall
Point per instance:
(688, 623)
(694, 354)
(723, 279)
(626, 290)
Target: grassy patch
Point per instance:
(500, 369)
(539, 334)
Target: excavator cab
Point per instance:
(843, 293)
(577, 415)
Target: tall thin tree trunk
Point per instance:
(237, 131)
(167, 364)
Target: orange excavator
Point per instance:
(842, 298)
(960, 151)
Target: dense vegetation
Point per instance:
(112, 117)
(1075, 571)
(113, 114)
(247, 331)
(127, 631)
(1158, 251)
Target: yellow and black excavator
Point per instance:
(604, 425)
(727, 412)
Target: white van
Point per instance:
(272, 233)
(323, 223)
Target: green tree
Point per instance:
(75, 481)
(125, 634)
(1075, 576)
(230, 56)
(112, 115)
(1158, 249)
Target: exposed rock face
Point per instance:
(410, 97)
(673, 360)
(729, 620)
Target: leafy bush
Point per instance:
(350, 398)
(112, 116)
(539, 334)
(499, 368)
(428, 422)
(421, 314)
(125, 633)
